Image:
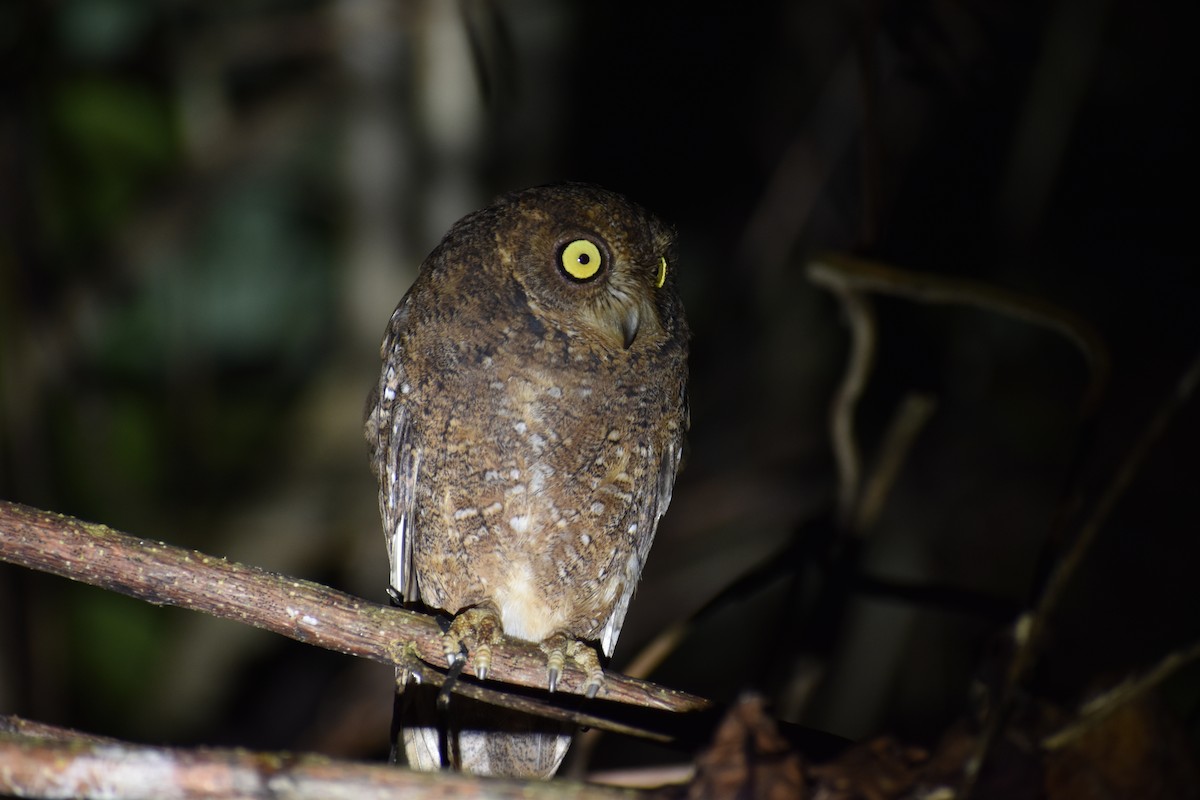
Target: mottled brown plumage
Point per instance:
(526, 432)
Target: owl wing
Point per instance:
(651, 512)
(394, 458)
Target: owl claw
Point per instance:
(559, 648)
(473, 632)
(555, 658)
(587, 659)
(483, 660)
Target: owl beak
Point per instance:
(630, 325)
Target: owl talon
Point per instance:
(555, 659)
(473, 632)
(453, 652)
(483, 660)
(558, 648)
(587, 659)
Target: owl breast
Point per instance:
(542, 520)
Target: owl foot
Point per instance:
(559, 647)
(474, 631)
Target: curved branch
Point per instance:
(841, 272)
(841, 413)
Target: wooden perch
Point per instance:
(43, 761)
(308, 612)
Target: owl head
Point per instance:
(590, 262)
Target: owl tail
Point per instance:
(475, 737)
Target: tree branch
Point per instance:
(54, 762)
(308, 612)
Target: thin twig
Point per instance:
(1032, 627)
(841, 413)
(1068, 565)
(847, 272)
(31, 729)
(907, 422)
(302, 610)
(1099, 708)
(850, 279)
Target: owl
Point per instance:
(526, 432)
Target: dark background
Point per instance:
(209, 210)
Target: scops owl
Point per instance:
(526, 432)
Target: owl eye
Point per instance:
(662, 273)
(581, 260)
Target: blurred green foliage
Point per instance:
(110, 140)
(116, 648)
(104, 30)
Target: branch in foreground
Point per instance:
(308, 612)
(58, 764)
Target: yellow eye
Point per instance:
(662, 273)
(581, 260)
